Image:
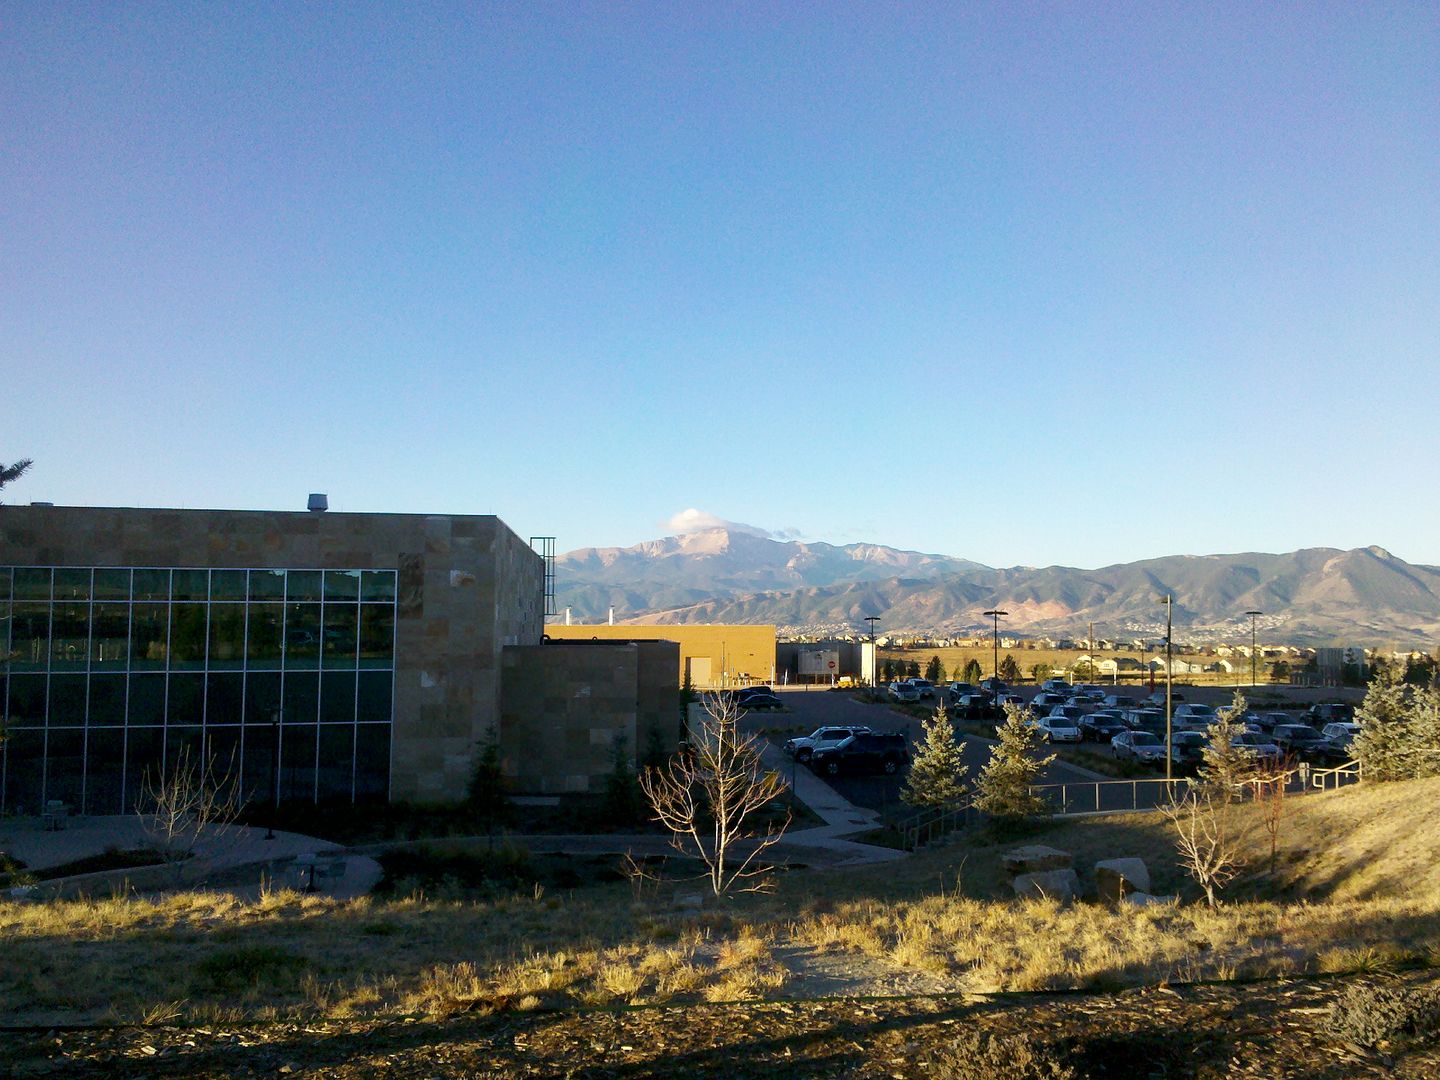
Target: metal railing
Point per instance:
(929, 827)
(1351, 772)
(1108, 796)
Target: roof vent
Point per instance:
(42, 504)
(319, 502)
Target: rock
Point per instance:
(1117, 878)
(1033, 858)
(1055, 884)
(1144, 899)
(690, 902)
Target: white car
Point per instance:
(903, 691)
(803, 748)
(1062, 725)
(1194, 717)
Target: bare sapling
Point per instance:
(1210, 838)
(186, 802)
(709, 796)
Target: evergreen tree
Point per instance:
(1280, 671)
(933, 671)
(487, 800)
(973, 672)
(1040, 672)
(937, 775)
(623, 801)
(1225, 767)
(1009, 669)
(887, 671)
(1003, 786)
(1399, 730)
(912, 669)
(10, 473)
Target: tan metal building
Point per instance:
(714, 657)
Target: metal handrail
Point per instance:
(1318, 777)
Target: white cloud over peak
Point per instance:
(693, 521)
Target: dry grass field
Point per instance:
(1357, 888)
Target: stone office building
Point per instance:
(320, 656)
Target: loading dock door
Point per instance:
(698, 668)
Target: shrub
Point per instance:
(243, 967)
(978, 1056)
(1369, 1015)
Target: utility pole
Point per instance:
(1252, 615)
(874, 659)
(1169, 602)
(994, 615)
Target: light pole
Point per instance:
(994, 615)
(1252, 615)
(874, 659)
(275, 715)
(1169, 601)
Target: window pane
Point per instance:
(187, 636)
(147, 700)
(64, 765)
(302, 635)
(112, 584)
(27, 701)
(267, 584)
(342, 584)
(67, 701)
(227, 636)
(262, 697)
(377, 635)
(187, 700)
(302, 585)
(222, 755)
(297, 763)
(152, 584)
(104, 771)
(302, 697)
(337, 766)
(24, 771)
(224, 696)
(149, 634)
(4, 583)
(263, 649)
(378, 585)
(182, 740)
(190, 585)
(110, 636)
(32, 583)
(372, 761)
(227, 585)
(258, 765)
(337, 697)
(340, 635)
(72, 583)
(143, 750)
(107, 701)
(30, 636)
(375, 705)
(69, 637)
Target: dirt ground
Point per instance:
(1269, 1030)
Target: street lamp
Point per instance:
(1252, 615)
(1169, 601)
(874, 659)
(275, 715)
(994, 615)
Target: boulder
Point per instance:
(1055, 884)
(689, 902)
(1117, 878)
(1033, 858)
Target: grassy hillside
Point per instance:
(1356, 889)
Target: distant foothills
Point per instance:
(1316, 596)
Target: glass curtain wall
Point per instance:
(282, 679)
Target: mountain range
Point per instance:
(1312, 596)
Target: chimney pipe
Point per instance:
(319, 502)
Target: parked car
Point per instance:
(903, 691)
(1009, 699)
(1265, 751)
(1138, 746)
(956, 690)
(974, 707)
(1157, 699)
(1090, 695)
(760, 699)
(995, 686)
(1330, 713)
(1055, 686)
(1102, 726)
(803, 747)
(1061, 725)
(1119, 701)
(1043, 703)
(1151, 720)
(1268, 720)
(925, 687)
(1341, 735)
(866, 752)
(1187, 749)
(1305, 743)
(1194, 717)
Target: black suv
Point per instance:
(865, 752)
(1336, 713)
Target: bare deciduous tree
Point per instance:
(1270, 800)
(707, 796)
(1210, 837)
(185, 802)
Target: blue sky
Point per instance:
(1026, 284)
